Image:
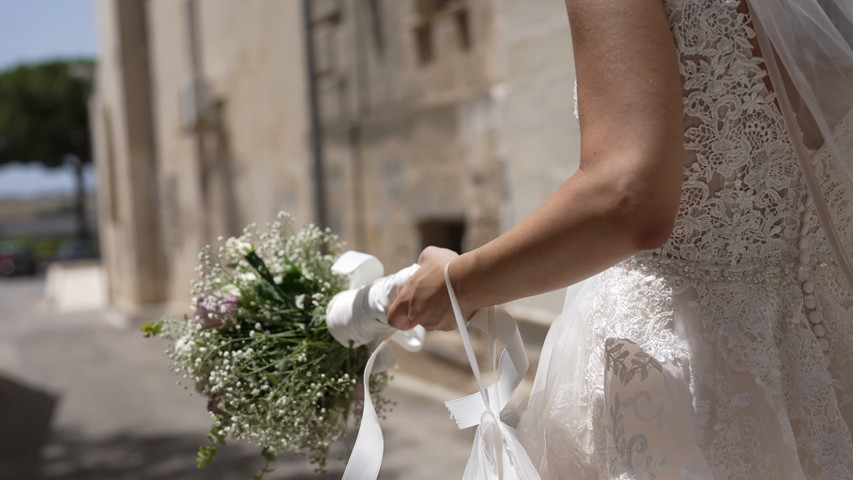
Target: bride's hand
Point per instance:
(424, 300)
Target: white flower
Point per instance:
(248, 277)
(237, 248)
(183, 345)
(300, 301)
(231, 289)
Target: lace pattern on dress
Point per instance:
(746, 284)
(741, 191)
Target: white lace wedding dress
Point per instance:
(727, 353)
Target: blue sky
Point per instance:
(35, 30)
(32, 30)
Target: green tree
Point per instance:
(44, 118)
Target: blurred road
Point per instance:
(120, 416)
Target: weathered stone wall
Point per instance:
(253, 55)
(124, 155)
(410, 138)
(170, 189)
(252, 159)
(538, 137)
(179, 173)
(459, 118)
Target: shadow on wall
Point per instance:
(217, 170)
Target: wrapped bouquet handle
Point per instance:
(359, 316)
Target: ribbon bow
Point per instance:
(497, 453)
(359, 316)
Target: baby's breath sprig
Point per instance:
(258, 349)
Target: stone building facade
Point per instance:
(443, 122)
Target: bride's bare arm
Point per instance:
(625, 195)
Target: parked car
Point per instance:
(16, 260)
(77, 249)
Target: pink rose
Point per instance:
(215, 318)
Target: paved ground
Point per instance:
(119, 415)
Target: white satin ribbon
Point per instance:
(497, 453)
(359, 316)
(362, 317)
(366, 457)
(512, 367)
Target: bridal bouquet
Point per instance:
(258, 348)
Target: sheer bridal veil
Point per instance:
(808, 50)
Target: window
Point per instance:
(442, 232)
(429, 13)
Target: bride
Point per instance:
(710, 226)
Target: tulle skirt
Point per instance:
(667, 371)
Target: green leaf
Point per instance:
(215, 438)
(206, 454)
(258, 264)
(152, 329)
(273, 379)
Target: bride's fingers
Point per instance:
(398, 312)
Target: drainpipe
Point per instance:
(194, 55)
(314, 113)
(356, 128)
